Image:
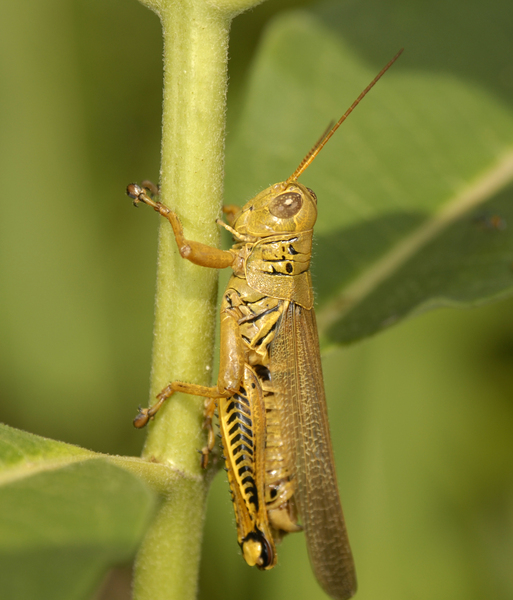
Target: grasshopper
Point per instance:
(270, 394)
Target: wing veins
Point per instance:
(297, 377)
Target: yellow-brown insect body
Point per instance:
(271, 270)
(270, 392)
(270, 293)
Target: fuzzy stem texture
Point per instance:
(195, 81)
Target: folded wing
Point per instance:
(297, 379)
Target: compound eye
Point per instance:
(286, 205)
(313, 194)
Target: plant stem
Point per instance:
(195, 50)
(195, 81)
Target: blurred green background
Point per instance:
(421, 415)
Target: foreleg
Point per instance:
(196, 252)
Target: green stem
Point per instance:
(195, 82)
(195, 49)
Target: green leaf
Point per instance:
(415, 189)
(66, 516)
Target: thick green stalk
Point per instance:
(192, 185)
(195, 80)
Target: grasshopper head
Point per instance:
(290, 207)
(286, 207)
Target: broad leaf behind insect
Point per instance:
(67, 515)
(414, 189)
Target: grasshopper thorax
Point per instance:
(286, 207)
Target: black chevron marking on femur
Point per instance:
(242, 458)
(251, 488)
(242, 439)
(239, 407)
(241, 417)
(243, 448)
(240, 398)
(240, 427)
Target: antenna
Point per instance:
(308, 159)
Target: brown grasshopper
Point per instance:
(270, 394)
